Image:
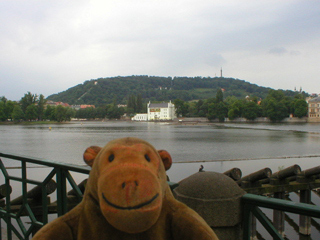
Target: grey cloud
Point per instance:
(278, 50)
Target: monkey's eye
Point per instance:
(111, 158)
(147, 157)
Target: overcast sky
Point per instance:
(49, 46)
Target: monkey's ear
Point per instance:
(90, 154)
(166, 159)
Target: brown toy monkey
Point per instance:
(127, 197)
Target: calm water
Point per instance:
(221, 146)
(218, 147)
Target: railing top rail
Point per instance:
(70, 167)
(283, 205)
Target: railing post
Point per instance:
(253, 227)
(61, 192)
(247, 218)
(278, 216)
(305, 221)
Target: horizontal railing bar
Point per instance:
(70, 167)
(282, 205)
(18, 179)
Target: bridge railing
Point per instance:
(36, 205)
(252, 203)
(14, 211)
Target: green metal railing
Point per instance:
(62, 174)
(38, 214)
(251, 207)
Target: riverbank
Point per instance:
(202, 120)
(33, 123)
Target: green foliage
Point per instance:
(6, 109)
(49, 113)
(113, 112)
(181, 107)
(103, 91)
(235, 108)
(276, 111)
(31, 113)
(251, 110)
(276, 106)
(41, 107)
(219, 96)
(28, 100)
(17, 113)
(300, 108)
(3, 116)
(232, 114)
(62, 113)
(193, 97)
(217, 110)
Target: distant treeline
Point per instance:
(104, 91)
(276, 106)
(32, 107)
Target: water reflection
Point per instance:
(218, 148)
(66, 142)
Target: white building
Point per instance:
(161, 111)
(140, 117)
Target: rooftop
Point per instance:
(317, 99)
(158, 105)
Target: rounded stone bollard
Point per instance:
(215, 197)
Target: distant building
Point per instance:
(161, 111)
(140, 117)
(314, 110)
(82, 106)
(51, 103)
(157, 112)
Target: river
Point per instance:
(218, 147)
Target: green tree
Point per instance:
(31, 113)
(17, 113)
(222, 111)
(235, 109)
(70, 113)
(217, 108)
(41, 107)
(181, 107)
(232, 114)
(113, 112)
(278, 95)
(251, 110)
(28, 100)
(131, 104)
(49, 113)
(6, 108)
(300, 108)
(276, 111)
(219, 95)
(60, 113)
(100, 112)
(3, 115)
(9, 108)
(199, 111)
(212, 111)
(139, 105)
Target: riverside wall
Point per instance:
(191, 120)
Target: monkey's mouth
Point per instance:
(130, 207)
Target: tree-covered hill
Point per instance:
(107, 90)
